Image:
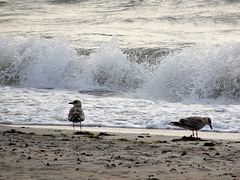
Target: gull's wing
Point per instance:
(193, 122)
(76, 112)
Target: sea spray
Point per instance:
(201, 72)
(109, 67)
(39, 63)
(44, 63)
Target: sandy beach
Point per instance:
(28, 152)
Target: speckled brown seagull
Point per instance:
(76, 113)
(193, 123)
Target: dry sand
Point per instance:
(47, 153)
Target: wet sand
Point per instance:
(28, 152)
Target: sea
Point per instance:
(132, 63)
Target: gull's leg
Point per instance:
(80, 126)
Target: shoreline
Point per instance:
(163, 132)
(29, 152)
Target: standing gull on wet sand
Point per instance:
(193, 123)
(76, 113)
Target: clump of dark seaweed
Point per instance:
(88, 134)
(190, 138)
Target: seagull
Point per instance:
(193, 123)
(76, 113)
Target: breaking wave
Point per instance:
(200, 73)
(204, 72)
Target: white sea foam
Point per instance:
(42, 63)
(50, 107)
(203, 73)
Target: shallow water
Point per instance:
(37, 106)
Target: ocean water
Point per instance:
(138, 64)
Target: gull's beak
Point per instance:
(70, 103)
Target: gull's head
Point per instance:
(76, 103)
(209, 122)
